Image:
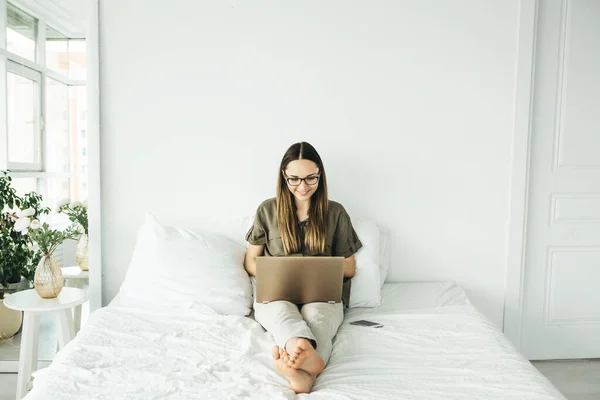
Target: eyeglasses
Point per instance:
(310, 180)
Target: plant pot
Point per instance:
(10, 321)
(48, 280)
(81, 254)
(24, 284)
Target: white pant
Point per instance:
(314, 321)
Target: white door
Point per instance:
(561, 309)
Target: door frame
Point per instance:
(92, 37)
(519, 183)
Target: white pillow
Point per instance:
(179, 268)
(230, 227)
(365, 289)
(385, 253)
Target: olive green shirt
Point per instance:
(341, 239)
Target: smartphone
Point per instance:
(369, 324)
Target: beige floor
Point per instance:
(577, 380)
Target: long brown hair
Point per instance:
(287, 220)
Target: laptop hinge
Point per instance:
(266, 302)
(331, 302)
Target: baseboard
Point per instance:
(13, 366)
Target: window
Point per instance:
(46, 104)
(56, 189)
(57, 51)
(23, 117)
(21, 33)
(78, 112)
(25, 185)
(79, 187)
(21, 132)
(58, 149)
(66, 55)
(77, 59)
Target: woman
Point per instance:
(302, 221)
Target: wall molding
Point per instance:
(519, 186)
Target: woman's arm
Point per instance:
(250, 258)
(349, 266)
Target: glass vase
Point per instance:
(48, 280)
(81, 254)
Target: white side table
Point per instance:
(75, 277)
(33, 305)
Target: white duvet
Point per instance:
(433, 345)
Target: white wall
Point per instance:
(408, 102)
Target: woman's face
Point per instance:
(302, 189)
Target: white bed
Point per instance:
(433, 345)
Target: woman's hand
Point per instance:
(349, 266)
(252, 252)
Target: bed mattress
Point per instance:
(433, 345)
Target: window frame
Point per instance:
(13, 63)
(36, 31)
(36, 77)
(92, 83)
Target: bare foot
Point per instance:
(303, 356)
(300, 381)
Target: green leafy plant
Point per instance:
(76, 211)
(41, 234)
(17, 256)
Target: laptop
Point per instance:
(299, 280)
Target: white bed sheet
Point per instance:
(433, 345)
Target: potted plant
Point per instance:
(18, 257)
(77, 212)
(48, 279)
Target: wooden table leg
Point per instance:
(29, 350)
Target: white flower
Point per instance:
(75, 204)
(80, 229)
(26, 213)
(84, 203)
(63, 202)
(35, 224)
(22, 224)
